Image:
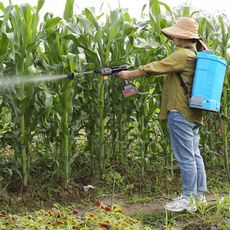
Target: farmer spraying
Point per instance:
(183, 121)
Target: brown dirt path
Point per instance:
(156, 206)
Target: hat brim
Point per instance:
(176, 32)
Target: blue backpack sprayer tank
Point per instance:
(208, 81)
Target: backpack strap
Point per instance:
(186, 92)
(180, 77)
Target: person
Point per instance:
(183, 121)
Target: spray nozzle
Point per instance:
(70, 76)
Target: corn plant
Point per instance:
(57, 57)
(225, 38)
(20, 24)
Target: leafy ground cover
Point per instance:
(100, 217)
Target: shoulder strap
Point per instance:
(183, 84)
(180, 77)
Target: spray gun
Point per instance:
(128, 88)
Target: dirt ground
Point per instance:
(131, 209)
(149, 207)
(156, 208)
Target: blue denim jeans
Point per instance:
(184, 137)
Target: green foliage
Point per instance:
(58, 117)
(68, 12)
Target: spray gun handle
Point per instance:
(126, 82)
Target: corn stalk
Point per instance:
(21, 24)
(225, 38)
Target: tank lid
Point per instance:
(207, 54)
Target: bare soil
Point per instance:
(156, 206)
(131, 209)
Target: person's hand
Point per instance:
(124, 75)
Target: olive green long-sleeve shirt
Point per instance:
(173, 97)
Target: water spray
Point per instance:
(12, 81)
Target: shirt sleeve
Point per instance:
(175, 62)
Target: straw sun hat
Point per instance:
(185, 28)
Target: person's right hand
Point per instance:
(124, 75)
